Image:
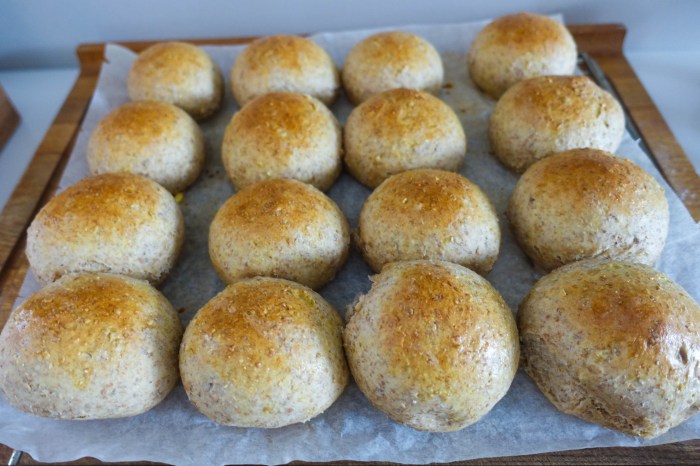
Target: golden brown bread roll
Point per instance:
(400, 130)
(115, 222)
(433, 345)
(587, 203)
(90, 346)
(284, 63)
(283, 135)
(614, 343)
(264, 352)
(391, 60)
(280, 228)
(519, 46)
(540, 116)
(180, 74)
(429, 214)
(154, 139)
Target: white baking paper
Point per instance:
(524, 422)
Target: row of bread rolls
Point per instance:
(432, 397)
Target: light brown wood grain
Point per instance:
(602, 42)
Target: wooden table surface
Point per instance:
(603, 42)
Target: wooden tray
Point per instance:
(602, 42)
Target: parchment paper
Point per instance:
(524, 422)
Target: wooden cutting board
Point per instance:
(603, 42)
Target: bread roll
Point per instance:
(587, 203)
(284, 63)
(180, 74)
(400, 130)
(90, 346)
(390, 60)
(116, 222)
(614, 343)
(539, 116)
(264, 352)
(429, 214)
(153, 139)
(283, 135)
(433, 345)
(279, 228)
(517, 47)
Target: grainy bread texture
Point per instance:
(90, 346)
(429, 214)
(400, 130)
(283, 135)
(180, 74)
(390, 60)
(517, 47)
(284, 63)
(539, 116)
(279, 228)
(265, 352)
(154, 139)
(587, 203)
(433, 345)
(115, 222)
(614, 343)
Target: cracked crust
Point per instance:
(614, 343)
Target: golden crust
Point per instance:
(434, 214)
(281, 228)
(149, 138)
(255, 343)
(78, 336)
(540, 116)
(517, 47)
(399, 130)
(283, 135)
(284, 63)
(390, 60)
(114, 222)
(178, 73)
(614, 343)
(586, 203)
(432, 345)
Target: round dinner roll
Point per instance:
(400, 130)
(279, 228)
(264, 352)
(433, 214)
(517, 47)
(154, 139)
(180, 74)
(432, 345)
(284, 63)
(390, 60)
(614, 343)
(539, 116)
(587, 203)
(90, 346)
(283, 135)
(115, 222)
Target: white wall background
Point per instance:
(44, 33)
